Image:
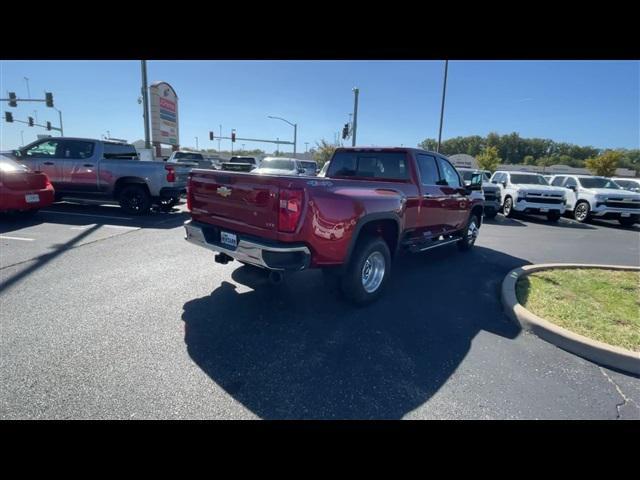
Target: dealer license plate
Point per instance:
(32, 198)
(229, 239)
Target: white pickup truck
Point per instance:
(529, 193)
(599, 197)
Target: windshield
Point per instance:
(519, 178)
(277, 164)
(598, 182)
(309, 165)
(188, 156)
(628, 183)
(243, 160)
(369, 164)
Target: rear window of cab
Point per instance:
(383, 165)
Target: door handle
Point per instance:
(88, 165)
(49, 163)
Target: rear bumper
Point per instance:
(14, 200)
(269, 255)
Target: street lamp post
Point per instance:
(306, 147)
(22, 137)
(60, 117)
(219, 138)
(197, 147)
(28, 91)
(356, 92)
(295, 131)
(444, 91)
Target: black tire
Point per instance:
(490, 215)
(581, 211)
(135, 199)
(375, 251)
(469, 235)
(628, 222)
(553, 216)
(166, 205)
(507, 208)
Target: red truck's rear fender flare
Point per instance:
(387, 225)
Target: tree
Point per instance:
(529, 160)
(429, 144)
(323, 152)
(605, 164)
(488, 159)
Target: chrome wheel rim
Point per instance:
(507, 206)
(373, 272)
(472, 232)
(581, 212)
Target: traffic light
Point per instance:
(12, 99)
(49, 99)
(345, 131)
(8, 116)
(48, 125)
(210, 135)
(31, 121)
(233, 136)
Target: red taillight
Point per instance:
(171, 173)
(47, 182)
(289, 209)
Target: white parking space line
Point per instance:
(4, 237)
(121, 227)
(86, 215)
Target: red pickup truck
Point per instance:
(372, 204)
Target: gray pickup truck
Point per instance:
(102, 170)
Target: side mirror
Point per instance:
(301, 170)
(16, 153)
(504, 184)
(572, 187)
(475, 184)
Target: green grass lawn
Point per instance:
(603, 305)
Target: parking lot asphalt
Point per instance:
(109, 316)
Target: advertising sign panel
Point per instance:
(164, 114)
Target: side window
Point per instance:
(77, 150)
(448, 173)
(571, 182)
(557, 182)
(428, 169)
(497, 178)
(43, 150)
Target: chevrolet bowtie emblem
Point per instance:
(223, 191)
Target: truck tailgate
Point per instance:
(247, 203)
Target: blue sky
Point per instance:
(584, 102)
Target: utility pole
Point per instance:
(35, 114)
(197, 148)
(145, 101)
(22, 137)
(219, 138)
(444, 91)
(356, 92)
(306, 147)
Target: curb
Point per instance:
(599, 352)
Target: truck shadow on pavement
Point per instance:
(297, 352)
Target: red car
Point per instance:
(22, 190)
(372, 204)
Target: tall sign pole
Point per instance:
(444, 91)
(145, 102)
(356, 92)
